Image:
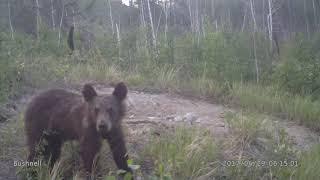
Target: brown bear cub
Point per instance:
(58, 116)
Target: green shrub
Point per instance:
(299, 70)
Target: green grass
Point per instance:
(274, 101)
(11, 139)
(42, 172)
(257, 139)
(184, 153)
(308, 165)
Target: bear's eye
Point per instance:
(96, 110)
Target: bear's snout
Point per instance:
(103, 127)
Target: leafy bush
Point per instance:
(299, 70)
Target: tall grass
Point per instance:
(308, 165)
(262, 147)
(184, 153)
(273, 100)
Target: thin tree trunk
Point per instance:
(203, 27)
(60, 26)
(10, 23)
(244, 19)
(166, 19)
(216, 25)
(254, 40)
(143, 20)
(159, 20)
(315, 15)
(255, 57)
(306, 18)
(174, 15)
(38, 19)
(110, 14)
(253, 15)
(154, 40)
(119, 41)
(197, 19)
(73, 18)
(229, 20)
(191, 17)
(270, 24)
(263, 16)
(213, 11)
(52, 15)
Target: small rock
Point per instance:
(170, 118)
(190, 117)
(220, 124)
(178, 119)
(198, 120)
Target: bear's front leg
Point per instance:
(117, 145)
(89, 146)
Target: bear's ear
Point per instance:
(88, 92)
(120, 91)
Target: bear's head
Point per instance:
(105, 111)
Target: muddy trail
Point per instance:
(146, 112)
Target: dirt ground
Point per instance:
(148, 111)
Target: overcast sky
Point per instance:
(125, 2)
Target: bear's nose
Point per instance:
(103, 127)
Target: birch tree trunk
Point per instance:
(154, 40)
(110, 14)
(306, 18)
(254, 40)
(315, 15)
(119, 41)
(60, 26)
(158, 25)
(52, 15)
(197, 19)
(263, 16)
(203, 27)
(166, 19)
(143, 21)
(38, 19)
(73, 18)
(213, 11)
(10, 23)
(191, 17)
(244, 19)
(270, 24)
(253, 15)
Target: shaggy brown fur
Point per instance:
(58, 116)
